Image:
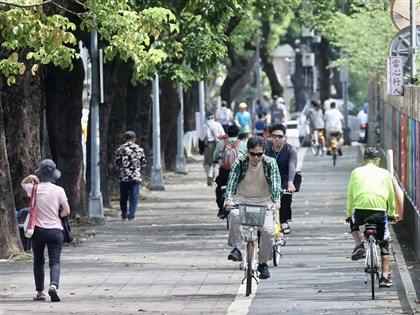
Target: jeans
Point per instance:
(129, 192)
(53, 238)
(285, 208)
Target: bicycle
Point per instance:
(251, 218)
(279, 240)
(372, 258)
(317, 147)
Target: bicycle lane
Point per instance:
(316, 274)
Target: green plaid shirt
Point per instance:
(238, 172)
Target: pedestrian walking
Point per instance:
(243, 121)
(131, 162)
(224, 116)
(48, 229)
(210, 133)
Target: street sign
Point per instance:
(394, 76)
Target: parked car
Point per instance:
(303, 125)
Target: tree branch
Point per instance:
(25, 5)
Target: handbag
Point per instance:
(68, 236)
(29, 224)
(297, 181)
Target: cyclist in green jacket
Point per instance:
(371, 193)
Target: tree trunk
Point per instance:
(9, 236)
(239, 74)
(267, 61)
(117, 76)
(322, 57)
(64, 113)
(298, 80)
(191, 106)
(169, 110)
(23, 105)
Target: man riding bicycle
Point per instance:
(334, 122)
(254, 179)
(371, 194)
(316, 122)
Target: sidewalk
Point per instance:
(173, 259)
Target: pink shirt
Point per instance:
(49, 197)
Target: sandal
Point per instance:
(52, 292)
(287, 229)
(39, 297)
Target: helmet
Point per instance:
(371, 153)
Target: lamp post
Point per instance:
(180, 157)
(157, 176)
(95, 196)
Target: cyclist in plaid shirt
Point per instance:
(253, 179)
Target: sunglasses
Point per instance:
(277, 136)
(256, 154)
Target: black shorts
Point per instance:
(378, 217)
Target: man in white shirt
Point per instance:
(210, 132)
(334, 122)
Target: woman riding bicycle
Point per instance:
(253, 179)
(371, 193)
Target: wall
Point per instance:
(399, 122)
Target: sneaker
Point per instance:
(339, 151)
(358, 252)
(263, 270)
(52, 292)
(385, 282)
(235, 255)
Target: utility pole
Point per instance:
(201, 102)
(413, 40)
(157, 176)
(180, 157)
(95, 196)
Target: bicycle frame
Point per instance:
(251, 256)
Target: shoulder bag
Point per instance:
(29, 224)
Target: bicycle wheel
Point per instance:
(314, 149)
(334, 157)
(372, 265)
(249, 254)
(321, 150)
(276, 254)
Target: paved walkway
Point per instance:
(173, 259)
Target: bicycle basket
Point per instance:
(252, 215)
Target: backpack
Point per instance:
(229, 154)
